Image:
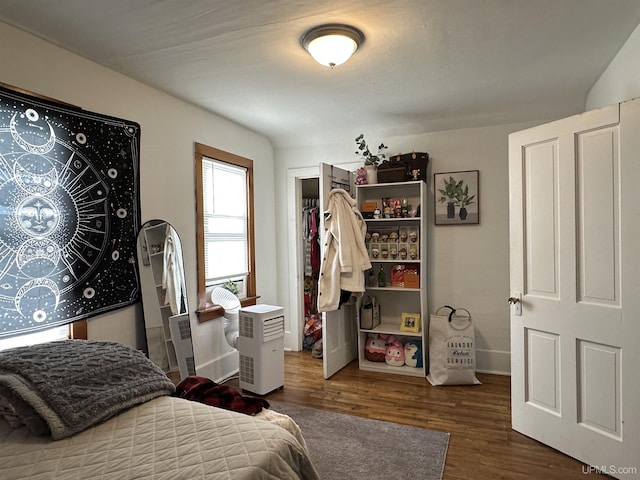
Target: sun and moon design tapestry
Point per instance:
(69, 213)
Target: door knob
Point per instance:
(516, 302)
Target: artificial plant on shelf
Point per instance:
(370, 158)
(371, 161)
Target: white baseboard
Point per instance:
(493, 361)
(487, 361)
(220, 368)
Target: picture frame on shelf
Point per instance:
(456, 198)
(410, 322)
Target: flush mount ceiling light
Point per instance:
(332, 44)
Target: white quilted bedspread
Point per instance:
(166, 438)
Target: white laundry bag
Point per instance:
(452, 348)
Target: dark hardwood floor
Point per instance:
(482, 444)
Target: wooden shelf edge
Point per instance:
(393, 289)
(384, 368)
(391, 219)
(391, 328)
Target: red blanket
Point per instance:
(204, 390)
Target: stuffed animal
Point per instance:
(316, 351)
(361, 176)
(413, 353)
(395, 354)
(375, 349)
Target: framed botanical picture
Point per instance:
(410, 322)
(456, 198)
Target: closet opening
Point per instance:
(312, 319)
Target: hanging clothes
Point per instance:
(345, 257)
(314, 242)
(310, 224)
(173, 280)
(310, 296)
(306, 241)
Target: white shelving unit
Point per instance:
(396, 300)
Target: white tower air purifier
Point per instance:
(261, 346)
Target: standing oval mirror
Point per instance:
(164, 299)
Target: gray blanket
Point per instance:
(61, 388)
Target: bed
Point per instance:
(80, 409)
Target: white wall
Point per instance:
(468, 265)
(621, 80)
(169, 127)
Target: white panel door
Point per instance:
(574, 229)
(339, 340)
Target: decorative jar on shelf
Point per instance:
(372, 174)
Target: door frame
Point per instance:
(293, 328)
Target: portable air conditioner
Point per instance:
(261, 347)
(180, 329)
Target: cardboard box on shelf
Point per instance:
(411, 277)
(369, 206)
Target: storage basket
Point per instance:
(393, 170)
(417, 164)
(404, 167)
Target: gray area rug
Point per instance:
(347, 447)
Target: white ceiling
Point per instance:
(426, 65)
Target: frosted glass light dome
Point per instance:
(332, 45)
(332, 50)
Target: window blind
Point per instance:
(225, 220)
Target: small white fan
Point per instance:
(231, 304)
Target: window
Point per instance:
(225, 235)
(50, 335)
(224, 213)
(72, 330)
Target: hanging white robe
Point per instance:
(173, 280)
(345, 257)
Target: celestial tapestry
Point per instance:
(69, 213)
